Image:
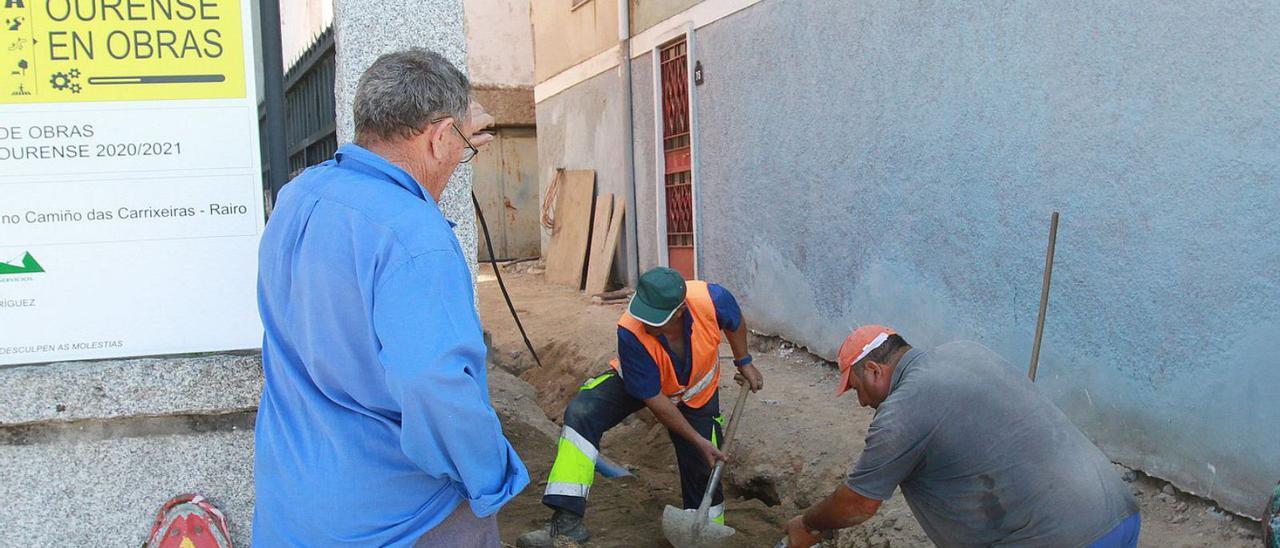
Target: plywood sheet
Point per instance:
(567, 252)
(599, 229)
(601, 262)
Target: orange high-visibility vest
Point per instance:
(704, 378)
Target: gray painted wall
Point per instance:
(582, 128)
(646, 152)
(897, 163)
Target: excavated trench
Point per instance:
(794, 446)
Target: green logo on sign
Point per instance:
(26, 264)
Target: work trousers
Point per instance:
(602, 403)
(462, 528)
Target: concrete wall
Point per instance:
(91, 450)
(300, 22)
(650, 245)
(582, 128)
(898, 162)
(647, 13)
(499, 42)
(500, 59)
(564, 37)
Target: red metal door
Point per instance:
(678, 172)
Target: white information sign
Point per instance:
(130, 181)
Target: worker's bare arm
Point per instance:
(843, 508)
(669, 415)
(739, 344)
(738, 340)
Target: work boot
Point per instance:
(563, 529)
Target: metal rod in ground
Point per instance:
(1044, 296)
(488, 241)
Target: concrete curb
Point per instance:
(177, 385)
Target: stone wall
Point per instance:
(91, 450)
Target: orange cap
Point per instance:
(856, 346)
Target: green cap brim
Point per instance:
(650, 315)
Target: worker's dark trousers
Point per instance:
(601, 404)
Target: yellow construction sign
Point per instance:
(55, 51)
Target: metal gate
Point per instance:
(676, 149)
(310, 117)
(505, 182)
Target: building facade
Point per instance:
(839, 163)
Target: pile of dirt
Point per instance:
(795, 445)
(623, 511)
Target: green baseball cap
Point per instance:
(660, 293)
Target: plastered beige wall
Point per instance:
(647, 13)
(564, 37)
(500, 42)
(300, 22)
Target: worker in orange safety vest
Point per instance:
(668, 361)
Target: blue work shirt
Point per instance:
(375, 421)
(640, 377)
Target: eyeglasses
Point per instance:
(471, 151)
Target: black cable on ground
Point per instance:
(497, 272)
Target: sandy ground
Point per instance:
(795, 443)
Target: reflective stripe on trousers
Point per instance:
(602, 404)
(575, 465)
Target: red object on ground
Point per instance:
(189, 521)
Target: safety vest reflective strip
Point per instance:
(704, 338)
(702, 384)
(575, 465)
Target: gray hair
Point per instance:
(402, 92)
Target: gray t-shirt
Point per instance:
(984, 459)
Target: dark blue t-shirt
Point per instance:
(640, 374)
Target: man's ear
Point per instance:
(873, 370)
(434, 136)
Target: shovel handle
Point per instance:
(743, 393)
(734, 420)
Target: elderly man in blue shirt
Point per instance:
(375, 427)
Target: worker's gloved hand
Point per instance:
(711, 453)
(749, 374)
(799, 536)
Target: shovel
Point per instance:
(693, 529)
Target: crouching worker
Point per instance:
(983, 459)
(668, 361)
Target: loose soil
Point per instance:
(795, 443)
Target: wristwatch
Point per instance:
(743, 361)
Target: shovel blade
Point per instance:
(682, 529)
